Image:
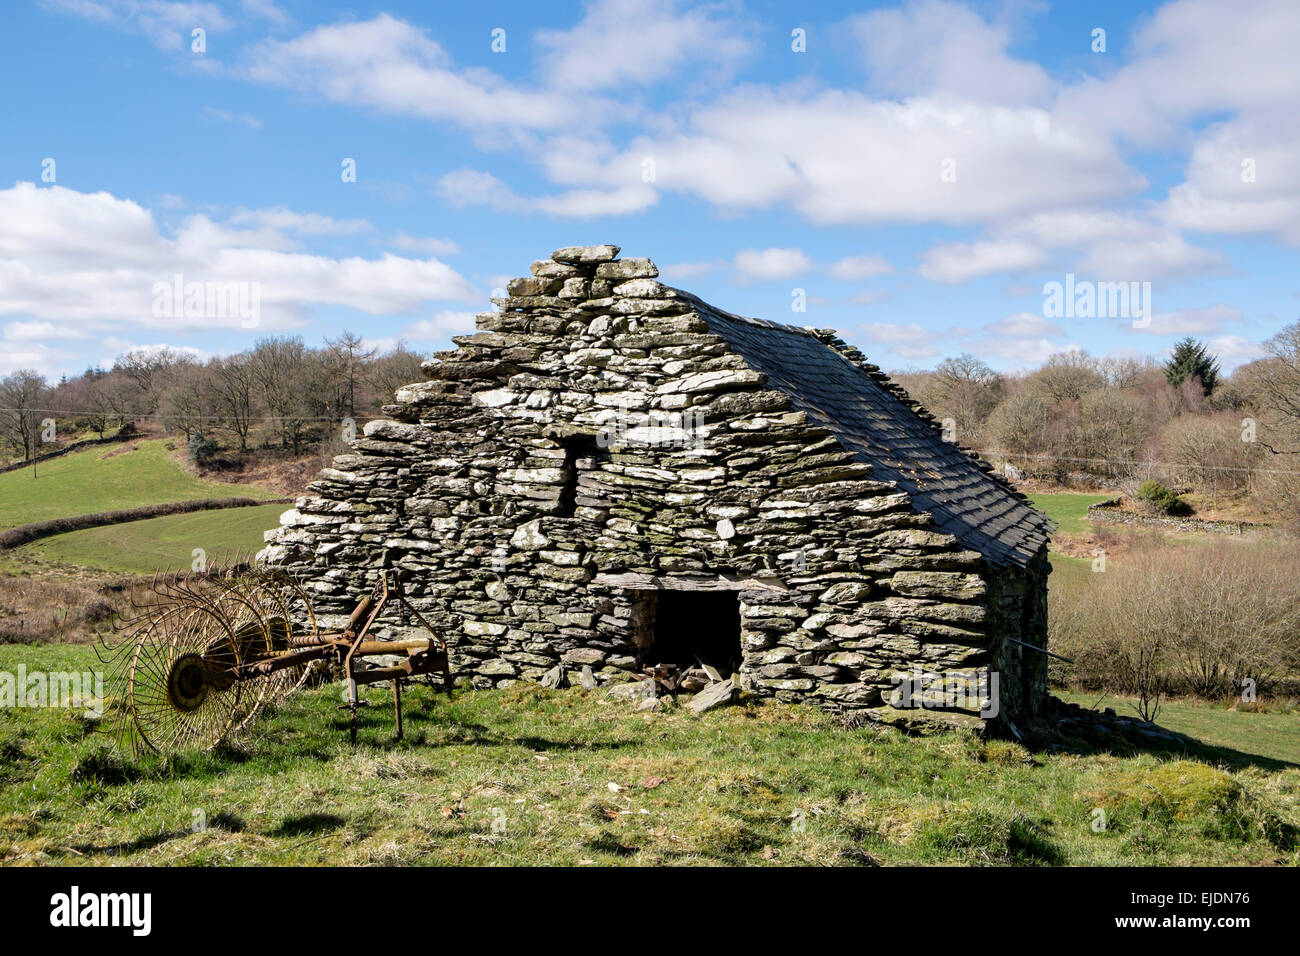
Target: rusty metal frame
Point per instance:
(255, 662)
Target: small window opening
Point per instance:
(577, 448)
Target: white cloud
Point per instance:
(1193, 58)
(838, 157)
(1116, 245)
(36, 330)
(1242, 177)
(1025, 352)
(41, 358)
(86, 262)
(168, 25)
(621, 42)
(426, 244)
(859, 267)
(1146, 259)
(1192, 321)
(1111, 246)
(472, 187)
(441, 326)
(959, 261)
(388, 64)
(771, 263)
(1024, 325)
(934, 46)
(893, 333)
(1234, 350)
(265, 10)
(688, 270)
(122, 346)
(306, 224)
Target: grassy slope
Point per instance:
(105, 479)
(753, 784)
(166, 543)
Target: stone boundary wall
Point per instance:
(1103, 511)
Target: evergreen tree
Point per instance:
(1192, 359)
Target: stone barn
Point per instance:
(612, 475)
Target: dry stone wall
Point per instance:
(595, 441)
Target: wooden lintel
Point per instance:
(638, 581)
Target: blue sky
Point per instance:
(920, 170)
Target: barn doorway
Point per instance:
(687, 629)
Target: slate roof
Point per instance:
(859, 405)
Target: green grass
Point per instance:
(105, 479)
(1068, 509)
(570, 779)
(1069, 572)
(158, 544)
(1270, 734)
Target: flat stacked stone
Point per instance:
(529, 559)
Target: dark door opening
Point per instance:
(688, 628)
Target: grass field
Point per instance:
(166, 543)
(1068, 509)
(105, 479)
(526, 775)
(1270, 735)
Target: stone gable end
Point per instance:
(600, 457)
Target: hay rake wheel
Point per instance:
(206, 652)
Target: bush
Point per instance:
(1199, 619)
(201, 449)
(1161, 499)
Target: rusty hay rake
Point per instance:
(207, 652)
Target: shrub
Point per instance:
(1159, 498)
(201, 449)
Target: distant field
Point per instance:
(105, 479)
(1068, 509)
(167, 543)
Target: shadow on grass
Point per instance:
(145, 842)
(108, 767)
(308, 824)
(1088, 732)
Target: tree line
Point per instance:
(280, 393)
(1077, 418)
(1121, 421)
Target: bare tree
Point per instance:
(1067, 376)
(24, 401)
(346, 356)
(151, 371)
(232, 388)
(289, 381)
(387, 373)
